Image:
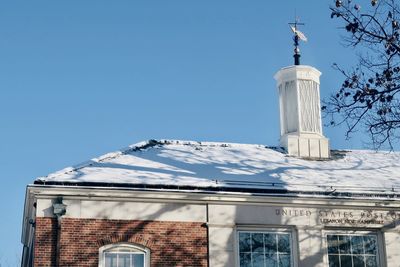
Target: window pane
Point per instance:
(345, 261)
(124, 260)
(284, 260)
(271, 260)
(111, 260)
(270, 243)
(353, 250)
(261, 249)
(283, 243)
(370, 244)
(358, 261)
(244, 242)
(371, 261)
(138, 260)
(344, 244)
(258, 260)
(333, 244)
(334, 261)
(357, 245)
(257, 243)
(245, 260)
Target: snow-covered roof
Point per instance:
(186, 164)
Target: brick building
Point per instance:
(198, 204)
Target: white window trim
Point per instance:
(140, 248)
(381, 252)
(266, 229)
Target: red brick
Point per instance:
(170, 243)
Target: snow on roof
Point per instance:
(228, 165)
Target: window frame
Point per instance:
(354, 232)
(141, 249)
(276, 230)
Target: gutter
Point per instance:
(28, 229)
(273, 189)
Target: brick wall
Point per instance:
(171, 243)
(45, 241)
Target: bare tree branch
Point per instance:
(369, 98)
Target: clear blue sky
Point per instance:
(82, 78)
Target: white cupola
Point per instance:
(300, 112)
(300, 109)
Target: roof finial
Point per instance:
(298, 35)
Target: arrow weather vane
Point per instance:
(298, 35)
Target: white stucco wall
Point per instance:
(392, 243)
(122, 210)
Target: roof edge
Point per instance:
(216, 190)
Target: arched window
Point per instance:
(124, 255)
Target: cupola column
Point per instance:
(300, 112)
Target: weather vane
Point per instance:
(298, 35)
